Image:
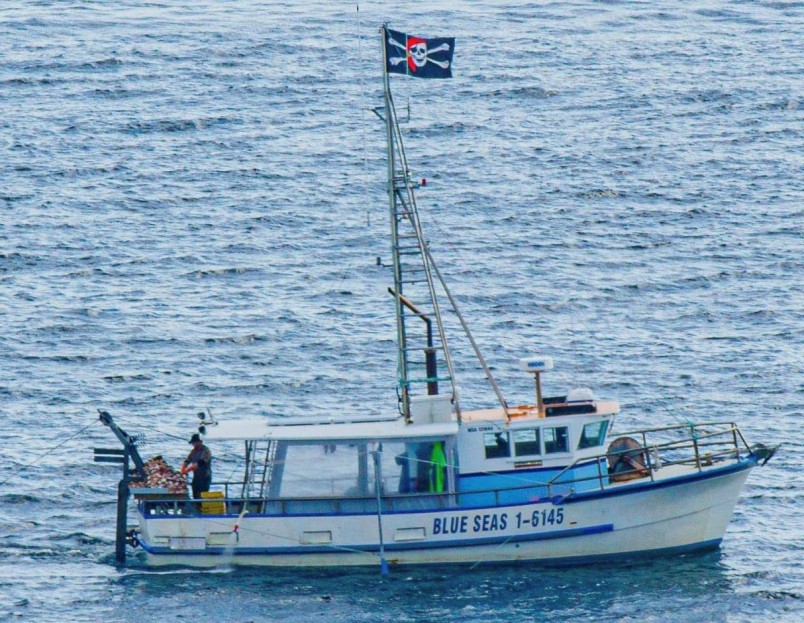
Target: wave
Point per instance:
(224, 272)
(125, 378)
(82, 538)
(178, 125)
(765, 594)
(236, 339)
(21, 498)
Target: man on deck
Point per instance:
(199, 461)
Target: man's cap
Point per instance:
(195, 438)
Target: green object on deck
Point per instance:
(438, 466)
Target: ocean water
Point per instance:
(192, 204)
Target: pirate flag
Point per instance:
(414, 56)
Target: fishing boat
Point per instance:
(433, 482)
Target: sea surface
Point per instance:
(192, 207)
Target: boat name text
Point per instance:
(494, 522)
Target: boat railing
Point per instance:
(701, 446)
(295, 505)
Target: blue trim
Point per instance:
(702, 546)
(423, 545)
(555, 500)
(619, 490)
(659, 484)
(530, 457)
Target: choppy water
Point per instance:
(191, 204)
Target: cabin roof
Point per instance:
(530, 412)
(334, 432)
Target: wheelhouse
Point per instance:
(329, 467)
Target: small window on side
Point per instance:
(555, 440)
(497, 445)
(526, 442)
(594, 434)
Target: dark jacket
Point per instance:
(203, 458)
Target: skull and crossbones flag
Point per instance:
(414, 56)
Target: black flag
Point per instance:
(414, 56)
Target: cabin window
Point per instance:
(348, 469)
(555, 440)
(327, 470)
(526, 442)
(594, 434)
(497, 445)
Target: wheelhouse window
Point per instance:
(347, 470)
(594, 434)
(526, 442)
(325, 470)
(556, 440)
(497, 445)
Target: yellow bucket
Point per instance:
(216, 505)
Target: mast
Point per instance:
(402, 355)
(414, 291)
(414, 287)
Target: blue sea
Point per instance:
(192, 207)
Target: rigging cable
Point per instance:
(363, 115)
(129, 422)
(574, 368)
(51, 450)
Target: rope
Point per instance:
(51, 450)
(480, 560)
(129, 422)
(681, 421)
(291, 539)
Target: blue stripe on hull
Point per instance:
(700, 547)
(629, 489)
(703, 546)
(329, 549)
(526, 471)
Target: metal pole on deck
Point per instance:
(431, 363)
(377, 481)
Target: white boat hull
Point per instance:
(676, 514)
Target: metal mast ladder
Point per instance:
(414, 288)
(259, 468)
